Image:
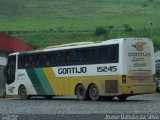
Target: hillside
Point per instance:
(79, 18)
(76, 14)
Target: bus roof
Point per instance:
(77, 45)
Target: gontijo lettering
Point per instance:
(73, 70)
(139, 54)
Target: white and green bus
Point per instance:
(112, 68)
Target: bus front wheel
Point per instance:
(23, 93)
(94, 92)
(81, 92)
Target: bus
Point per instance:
(90, 70)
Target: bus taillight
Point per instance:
(124, 79)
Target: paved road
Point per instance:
(63, 105)
(135, 104)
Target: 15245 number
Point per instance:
(107, 69)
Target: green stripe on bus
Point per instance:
(35, 81)
(44, 81)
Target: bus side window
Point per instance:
(113, 53)
(27, 61)
(105, 54)
(47, 59)
(116, 52)
(95, 55)
(86, 53)
(21, 61)
(60, 58)
(53, 58)
(69, 57)
(82, 56)
(75, 56)
(33, 60)
(39, 59)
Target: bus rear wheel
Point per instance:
(23, 93)
(94, 92)
(81, 92)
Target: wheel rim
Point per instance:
(94, 91)
(81, 92)
(23, 93)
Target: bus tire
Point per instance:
(94, 92)
(81, 92)
(23, 93)
(122, 97)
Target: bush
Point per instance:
(10, 32)
(110, 27)
(100, 31)
(145, 5)
(127, 28)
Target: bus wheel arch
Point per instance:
(22, 92)
(81, 92)
(93, 92)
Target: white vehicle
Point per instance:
(3, 62)
(112, 68)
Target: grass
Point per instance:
(51, 22)
(42, 39)
(76, 14)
